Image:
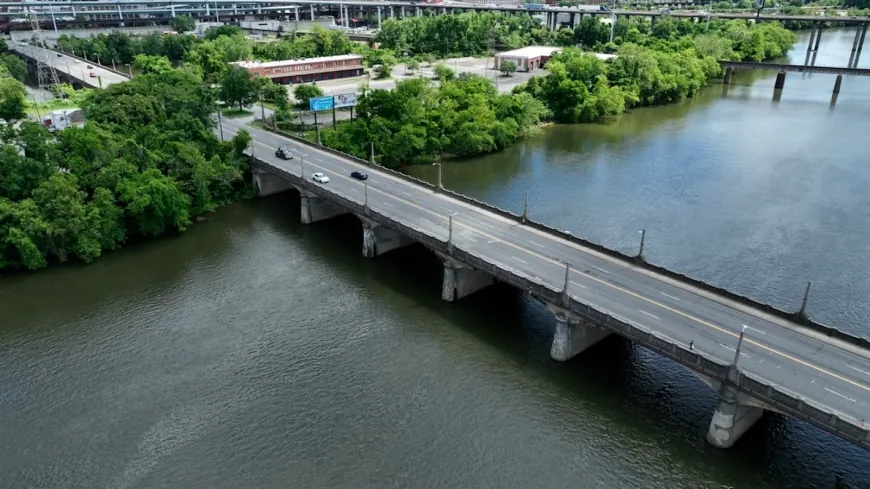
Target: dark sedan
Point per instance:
(359, 175)
(284, 153)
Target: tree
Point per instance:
(183, 23)
(237, 87)
(443, 73)
(12, 97)
(304, 93)
(14, 66)
(152, 64)
(412, 66)
(155, 203)
(508, 68)
(384, 69)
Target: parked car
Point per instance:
(359, 175)
(59, 55)
(283, 153)
(320, 177)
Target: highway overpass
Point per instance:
(71, 68)
(785, 363)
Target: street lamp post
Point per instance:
(566, 300)
(220, 123)
(739, 344)
(366, 196)
(302, 167)
(642, 239)
(525, 207)
(450, 233)
(440, 184)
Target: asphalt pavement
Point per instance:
(65, 64)
(828, 372)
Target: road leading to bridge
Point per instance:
(816, 368)
(72, 67)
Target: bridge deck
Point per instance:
(827, 372)
(73, 67)
(833, 70)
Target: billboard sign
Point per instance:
(316, 104)
(345, 100)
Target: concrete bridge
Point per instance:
(782, 69)
(757, 358)
(71, 68)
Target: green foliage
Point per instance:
(183, 23)
(12, 98)
(412, 65)
(237, 87)
(304, 93)
(418, 123)
(146, 162)
(443, 73)
(508, 68)
(147, 63)
(14, 66)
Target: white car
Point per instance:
(320, 177)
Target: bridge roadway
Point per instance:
(830, 70)
(832, 375)
(72, 67)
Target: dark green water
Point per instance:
(253, 351)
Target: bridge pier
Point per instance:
(316, 208)
(729, 72)
(460, 280)
(857, 46)
(269, 184)
(572, 335)
(780, 81)
(837, 84)
(378, 240)
(731, 419)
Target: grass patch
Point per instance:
(236, 113)
(50, 106)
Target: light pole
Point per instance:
(366, 196)
(302, 167)
(440, 185)
(525, 207)
(450, 233)
(739, 344)
(566, 300)
(642, 239)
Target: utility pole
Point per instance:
(450, 233)
(566, 299)
(525, 207)
(739, 344)
(440, 185)
(220, 124)
(642, 239)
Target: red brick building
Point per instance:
(306, 70)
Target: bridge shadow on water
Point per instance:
(631, 392)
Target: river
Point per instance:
(253, 351)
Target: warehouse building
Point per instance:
(306, 70)
(528, 58)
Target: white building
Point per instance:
(528, 58)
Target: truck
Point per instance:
(534, 6)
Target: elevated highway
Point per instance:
(72, 68)
(756, 357)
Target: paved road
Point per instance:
(814, 367)
(74, 67)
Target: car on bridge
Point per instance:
(284, 153)
(320, 177)
(359, 175)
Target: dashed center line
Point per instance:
(388, 204)
(600, 269)
(579, 285)
(669, 296)
(650, 315)
(519, 260)
(841, 395)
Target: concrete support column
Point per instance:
(573, 18)
(837, 83)
(311, 8)
(173, 10)
(316, 208)
(461, 281)
(780, 81)
(731, 420)
(728, 73)
(379, 17)
(392, 13)
(572, 336)
(860, 46)
(378, 240)
(235, 10)
(207, 11)
(818, 38)
(268, 184)
(296, 12)
(652, 23)
(402, 11)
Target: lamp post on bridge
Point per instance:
(566, 299)
(525, 207)
(739, 344)
(440, 185)
(450, 233)
(302, 167)
(642, 239)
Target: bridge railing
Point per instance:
(795, 317)
(776, 396)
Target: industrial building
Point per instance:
(306, 70)
(528, 58)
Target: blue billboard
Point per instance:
(317, 104)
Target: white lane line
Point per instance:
(578, 285)
(521, 261)
(650, 315)
(388, 204)
(373, 180)
(669, 296)
(600, 269)
(858, 369)
(732, 349)
(406, 193)
(443, 208)
(537, 244)
(490, 242)
(470, 238)
(841, 395)
(753, 329)
(354, 190)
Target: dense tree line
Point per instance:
(419, 123)
(146, 163)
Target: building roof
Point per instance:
(532, 51)
(291, 62)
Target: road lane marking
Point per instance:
(355, 189)
(753, 329)
(841, 395)
(406, 193)
(650, 315)
(578, 285)
(742, 354)
(600, 269)
(858, 369)
(519, 260)
(388, 204)
(670, 296)
(614, 286)
(470, 238)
